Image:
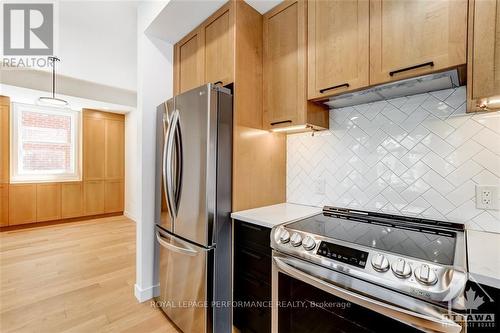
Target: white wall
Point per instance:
(419, 155)
(155, 85)
(97, 42)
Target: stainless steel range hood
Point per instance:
(412, 86)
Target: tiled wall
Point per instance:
(417, 155)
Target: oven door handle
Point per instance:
(418, 320)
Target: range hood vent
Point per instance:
(407, 87)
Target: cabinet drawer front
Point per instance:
(253, 236)
(248, 286)
(252, 262)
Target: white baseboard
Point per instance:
(130, 216)
(143, 295)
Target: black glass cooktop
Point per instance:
(423, 243)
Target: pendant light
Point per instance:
(53, 100)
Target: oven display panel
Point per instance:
(342, 253)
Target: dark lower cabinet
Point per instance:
(252, 278)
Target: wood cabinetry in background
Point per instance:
(338, 46)
(113, 196)
(71, 200)
(285, 69)
(4, 205)
(429, 34)
(48, 201)
(94, 129)
(93, 191)
(22, 203)
(484, 54)
(115, 149)
(4, 160)
(106, 165)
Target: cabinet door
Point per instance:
(114, 149)
(4, 139)
(219, 43)
(485, 50)
(72, 199)
(338, 45)
(427, 35)
(113, 196)
(93, 148)
(4, 205)
(284, 64)
(48, 202)
(93, 197)
(22, 203)
(189, 67)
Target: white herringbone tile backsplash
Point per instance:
(419, 155)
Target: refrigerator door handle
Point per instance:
(172, 247)
(168, 155)
(178, 162)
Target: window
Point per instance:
(45, 144)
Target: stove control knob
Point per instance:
(380, 262)
(284, 236)
(296, 239)
(425, 275)
(401, 268)
(308, 243)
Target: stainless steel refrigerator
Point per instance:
(193, 205)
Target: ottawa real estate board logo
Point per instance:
(28, 34)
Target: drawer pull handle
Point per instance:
(218, 82)
(430, 63)
(250, 254)
(334, 87)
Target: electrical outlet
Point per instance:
(319, 186)
(487, 197)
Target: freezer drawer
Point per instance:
(184, 292)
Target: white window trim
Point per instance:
(17, 108)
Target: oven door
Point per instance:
(309, 298)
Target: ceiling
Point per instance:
(179, 17)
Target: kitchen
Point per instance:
(340, 156)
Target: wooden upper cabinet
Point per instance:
(484, 53)
(219, 46)
(420, 34)
(48, 202)
(338, 46)
(189, 70)
(115, 150)
(285, 69)
(93, 148)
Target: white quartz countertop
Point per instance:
(269, 216)
(483, 252)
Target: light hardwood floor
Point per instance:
(73, 277)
